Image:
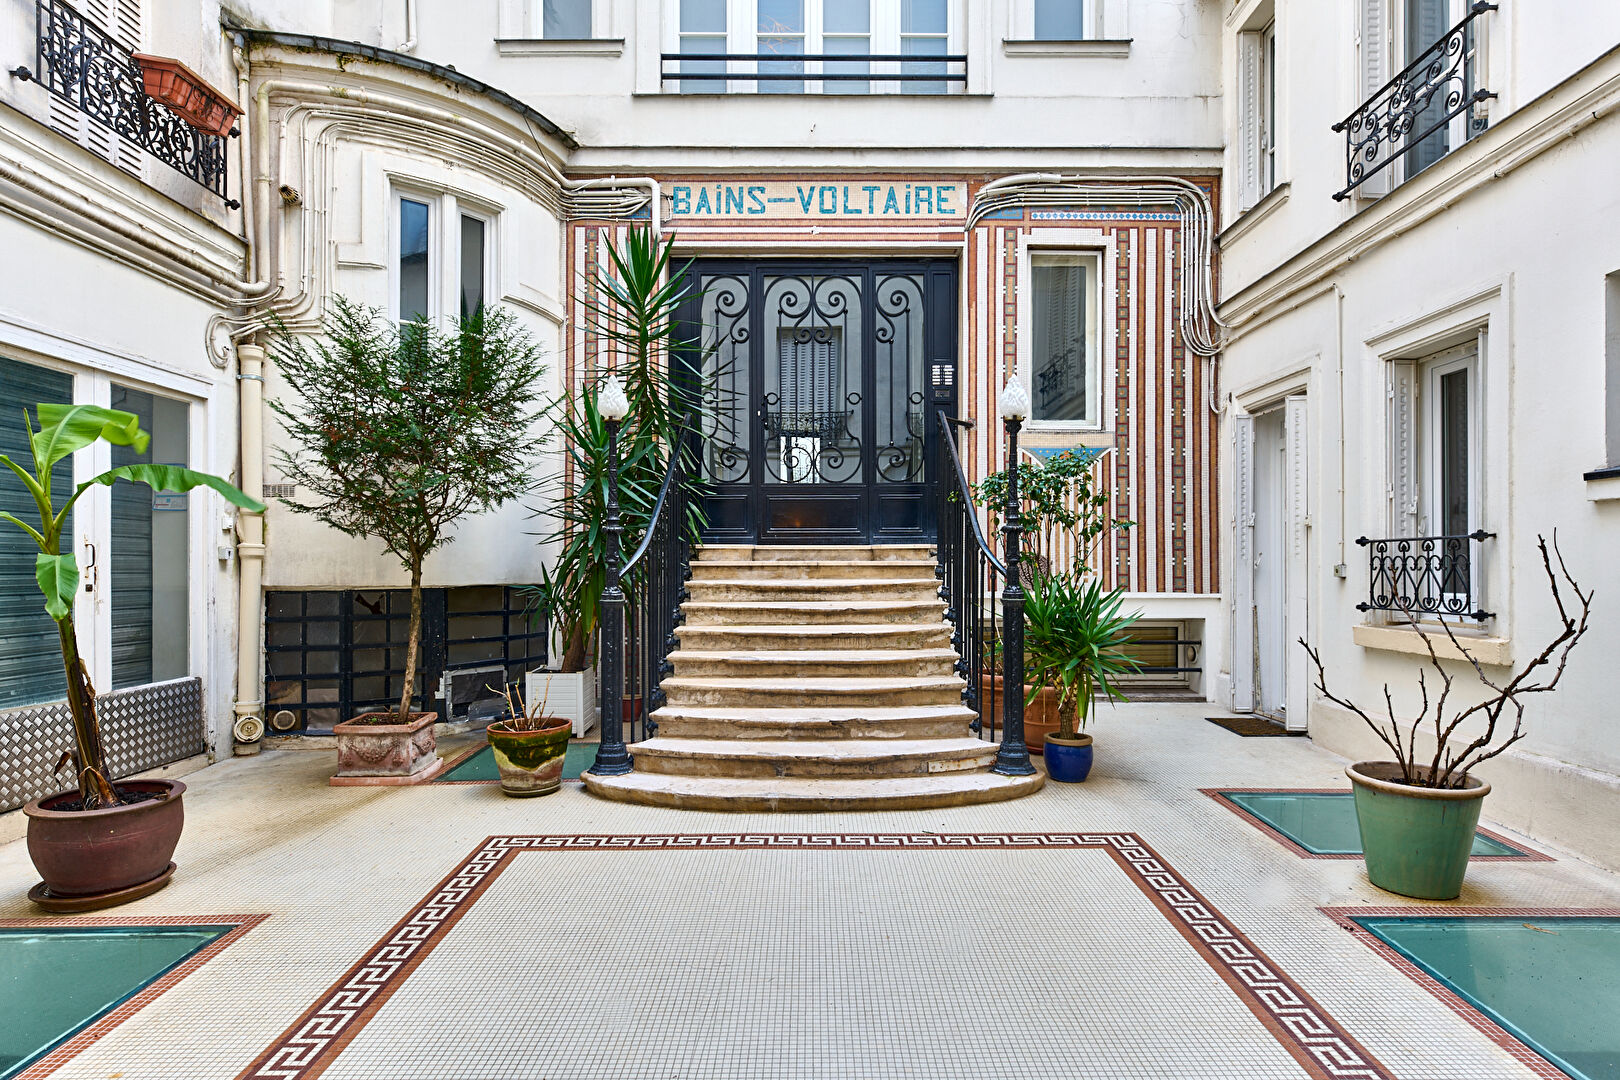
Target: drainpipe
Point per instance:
(409, 44)
(249, 708)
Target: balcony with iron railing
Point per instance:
(819, 73)
(1427, 110)
(1419, 577)
(79, 63)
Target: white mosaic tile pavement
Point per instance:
(712, 964)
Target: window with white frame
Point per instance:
(1058, 20)
(441, 257)
(1257, 108)
(1065, 371)
(1611, 366)
(798, 46)
(564, 19)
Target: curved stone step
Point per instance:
(812, 637)
(811, 569)
(803, 552)
(812, 612)
(812, 663)
(777, 589)
(847, 721)
(802, 794)
(813, 691)
(830, 759)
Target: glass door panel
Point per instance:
(812, 385)
(899, 347)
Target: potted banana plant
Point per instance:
(102, 843)
(1076, 642)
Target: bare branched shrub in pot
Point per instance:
(1418, 814)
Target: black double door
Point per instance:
(822, 379)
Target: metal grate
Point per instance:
(144, 727)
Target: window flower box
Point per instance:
(184, 91)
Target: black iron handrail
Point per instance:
(641, 606)
(78, 62)
(932, 75)
(1423, 575)
(971, 577)
(1386, 119)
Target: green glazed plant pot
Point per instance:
(530, 762)
(1415, 840)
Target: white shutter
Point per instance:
(1404, 483)
(1249, 61)
(1375, 72)
(1242, 659)
(1297, 559)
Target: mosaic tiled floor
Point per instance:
(890, 946)
(476, 765)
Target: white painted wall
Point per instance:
(1513, 234)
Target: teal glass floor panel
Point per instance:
(56, 981)
(1548, 980)
(481, 766)
(1324, 823)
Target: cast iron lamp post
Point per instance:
(1012, 759)
(612, 759)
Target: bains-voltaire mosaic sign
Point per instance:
(811, 200)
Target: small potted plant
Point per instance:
(1417, 818)
(1065, 513)
(1076, 642)
(529, 747)
(102, 843)
(398, 433)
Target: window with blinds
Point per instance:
(30, 660)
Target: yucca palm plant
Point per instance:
(1076, 641)
(64, 429)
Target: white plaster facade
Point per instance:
(1504, 248)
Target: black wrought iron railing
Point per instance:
(1424, 575)
(1409, 116)
(834, 73)
(79, 63)
(641, 607)
(989, 650)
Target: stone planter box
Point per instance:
(371, 753)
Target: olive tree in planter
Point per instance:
(396, 433)
(1417, 817)
(100, 844)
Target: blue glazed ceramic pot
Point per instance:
(1068, 760)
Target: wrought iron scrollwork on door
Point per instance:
(726, 337)
(898, 337)
(813, 422)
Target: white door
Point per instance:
(1270, 564)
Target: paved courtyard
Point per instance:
(1132, 926)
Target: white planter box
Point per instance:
(570, 695)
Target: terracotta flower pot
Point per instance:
(369, 748)
(84, 854)
(530, 762)
(1040, 716)
(1416, 840)
(187, 93)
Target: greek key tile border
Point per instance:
(83, 1039)
(1530, 854)
(1524, 1055)
(1301, 1026)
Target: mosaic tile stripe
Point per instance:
(1298, 1023)
(1346, 917)
(84, 1039)
(1530, 854)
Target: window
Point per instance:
(149, 556)
(1447, 398)
(1063, 361)
(570, 19)
(783, 42)
(417, 262)
(1059, 20)
(1257, 108)
(1611, 351)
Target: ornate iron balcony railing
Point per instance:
(839, 73)
(1423, 575)
(1434, 89)
(79, 63)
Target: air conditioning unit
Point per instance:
(473, 693)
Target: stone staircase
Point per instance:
(813, 678)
